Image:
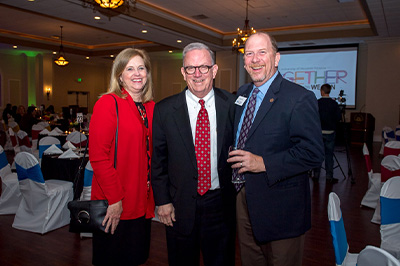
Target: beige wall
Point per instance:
(378, 79)
(382, 86)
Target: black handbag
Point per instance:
(87, 215)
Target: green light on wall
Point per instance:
(27, 53)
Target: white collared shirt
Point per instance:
(194, 107)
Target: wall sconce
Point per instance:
(48, 93)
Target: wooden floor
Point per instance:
(63, 248)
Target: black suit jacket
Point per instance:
(286, 132)
(174, 166)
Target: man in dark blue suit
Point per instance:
(198, 216)
(283, 143)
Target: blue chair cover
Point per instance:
(390, 211)
(34, 173)
(87, 178)
(339, 240)
(3, 160)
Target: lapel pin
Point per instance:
(271, 100)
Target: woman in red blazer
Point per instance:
(126, 186)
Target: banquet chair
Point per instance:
(397, 135)
(390, 216)
(44, 125)
(43, 206)
(387, 135)
(10, 194)
(338, 232)
(87, 182)
(14, 126)
(46, 142)
(35, 135)
(77, 138)
(24, 142)
(374, 256)
(390, 166)
(391, 148)
(87, 189)
(14, 141)
(371, 197)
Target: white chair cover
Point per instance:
(397, 135)
(14, 140)
(390, 166)
(87, 182)
(10, 194)
(338, 232)
(46, 142)
(387, 135)
(77, 137)
(87, 189)
(371, 197)
(44, 125)
(391, 148)
(14, 126)
(23, 141)
(390, 214)
(43, 207)
(374, 256)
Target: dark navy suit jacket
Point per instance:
(174, 165)
(286, 132)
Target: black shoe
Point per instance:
(332, 180)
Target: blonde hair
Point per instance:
(118, 67)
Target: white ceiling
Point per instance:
(34, 25)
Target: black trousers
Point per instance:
(212, 234)
(129, 245)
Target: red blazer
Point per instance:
(129, 181)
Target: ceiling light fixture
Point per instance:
(243, 35)
(61, 61)
(110, 8)
(110, 3)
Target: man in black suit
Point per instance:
(198, 216)
(283, 143)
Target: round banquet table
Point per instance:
(64, 169)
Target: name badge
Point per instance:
(240, 100)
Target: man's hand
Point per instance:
(166, 213)
(246, 161)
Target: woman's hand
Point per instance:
(112, 216)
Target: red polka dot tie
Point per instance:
(202, 148)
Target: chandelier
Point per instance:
(110, 8)
(61, 61)
(110, 3)
(243, 35)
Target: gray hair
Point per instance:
(198, 46)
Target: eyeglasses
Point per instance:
(190, 70)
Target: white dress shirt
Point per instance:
(194, 107)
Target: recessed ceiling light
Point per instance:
(170, 51)
(178, 41)
(87, 57)
(144, 31)
(97, 17)
(31, 0)
(15, 47)
(112, 55)
(54, 52)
